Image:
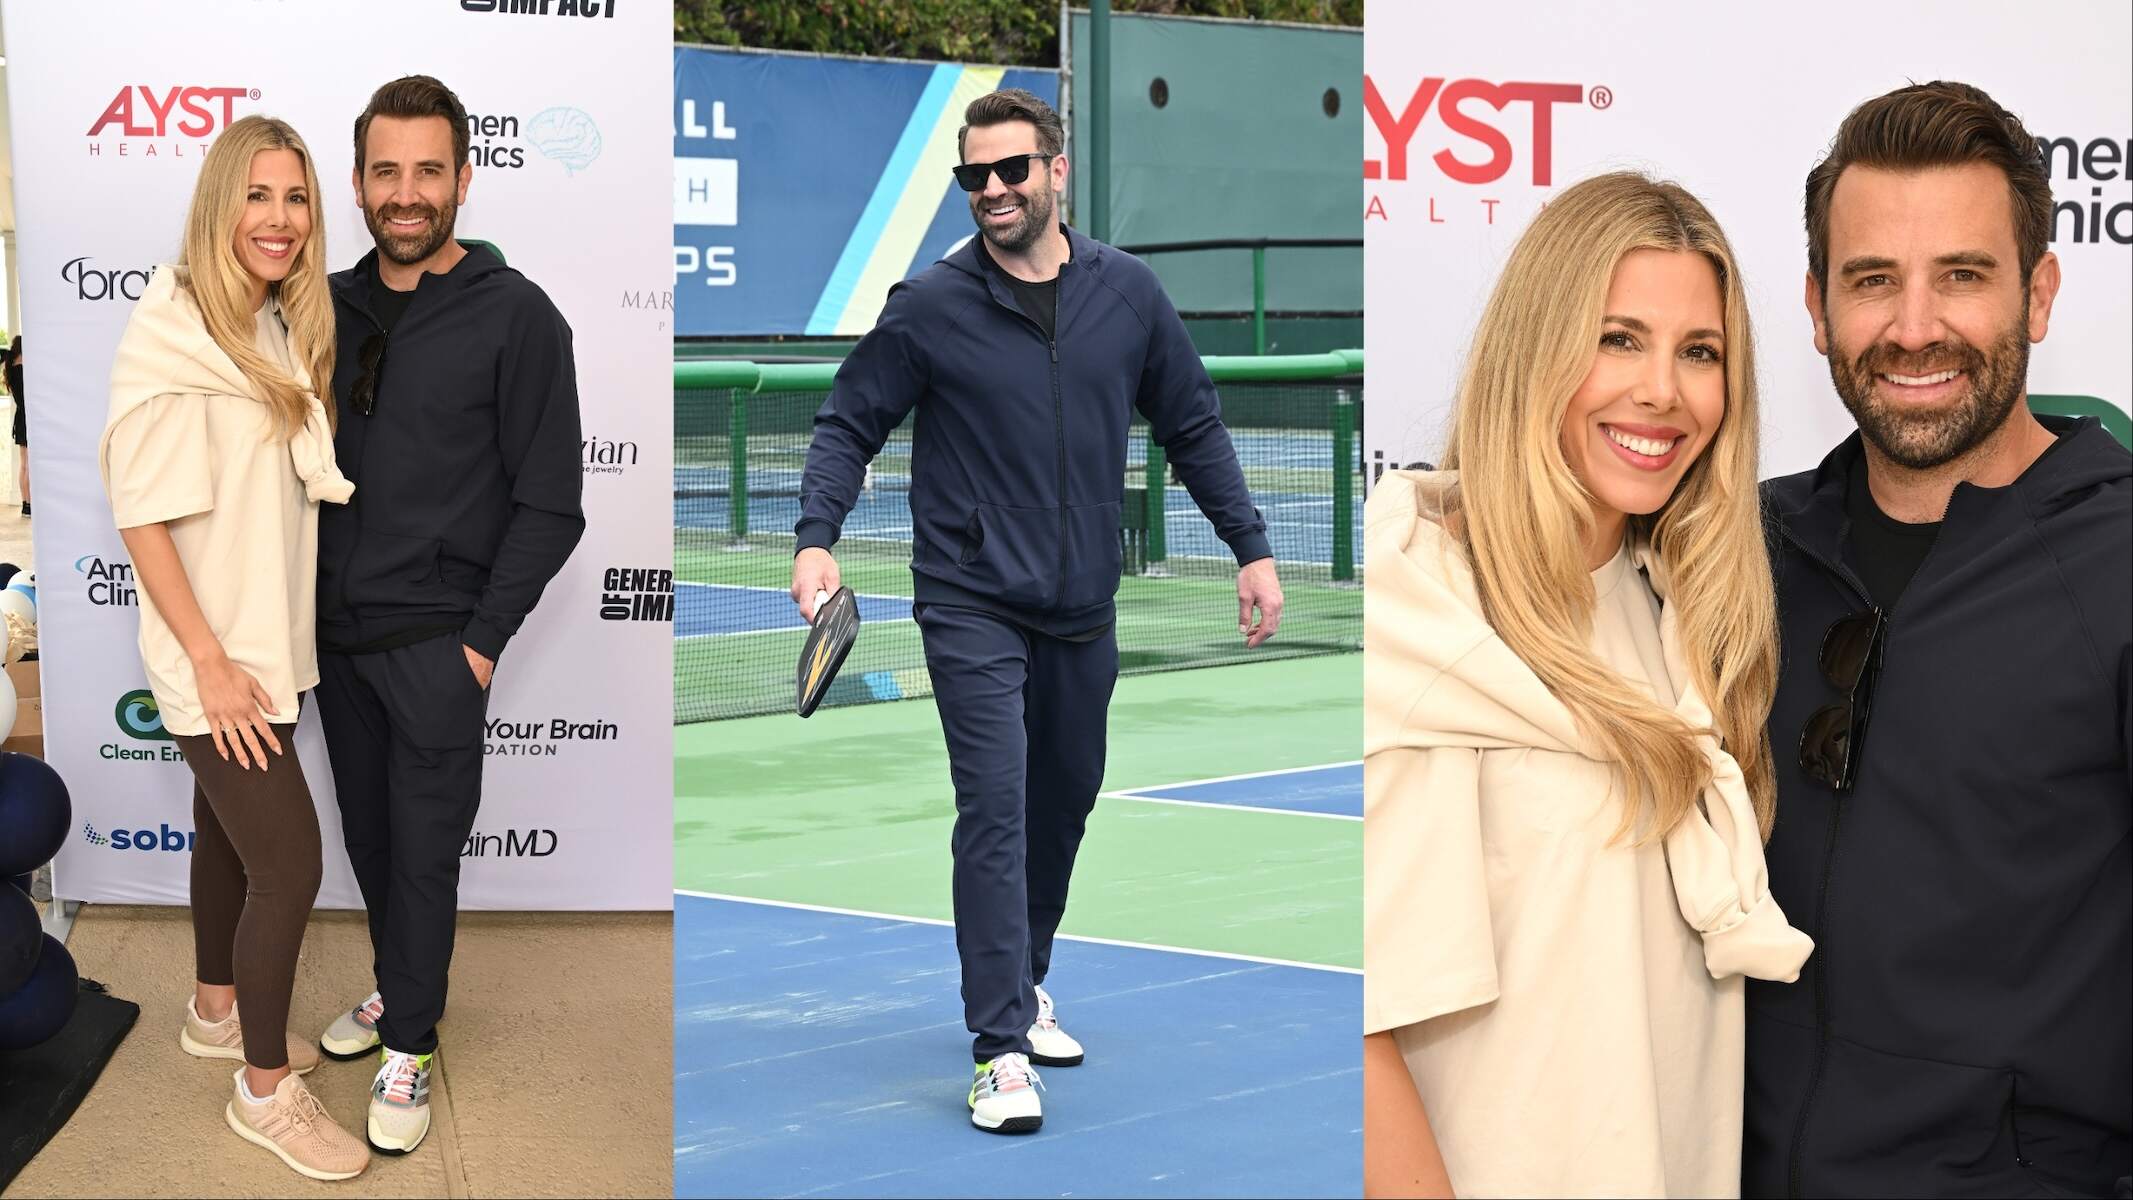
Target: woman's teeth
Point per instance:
(1650, 447)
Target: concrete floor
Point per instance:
(555, 1071)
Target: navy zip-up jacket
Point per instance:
(1018, 454)
(469, 470)
(1965, 1026)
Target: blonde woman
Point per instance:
(1570, 651)
(216, 457)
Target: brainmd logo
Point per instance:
(1460, 131)
(141, 719)
(163, 837)
(511, 843)
(164, 122)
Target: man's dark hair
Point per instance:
(1937, 124)
(415, 96)
(1014, 104)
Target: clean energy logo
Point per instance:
(140, 717)
(109, 584)
(98, 283)
(162, 837)
(544, 739)
(637, 594)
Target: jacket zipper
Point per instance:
(348, 559)
(1059, 436)
(1796, 1166)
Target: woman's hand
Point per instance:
(237, 709)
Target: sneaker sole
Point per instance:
(203, 1050)
(1047, 1061)
(1010, 1125)
(332, 1049)
(384, 1145)
(229, 1114)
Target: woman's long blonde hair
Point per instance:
(1524, 518)
(209, 268)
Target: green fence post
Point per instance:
(1158, 482)
(1259, 299)
(1345, 466)
(737, 470)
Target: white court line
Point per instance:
(1064, 937)
(1135, 793)
(748, 587)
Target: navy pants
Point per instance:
(1024, 718)
(405, 733)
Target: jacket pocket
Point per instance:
(1013, 556)
(392, 570)
(1093, 558)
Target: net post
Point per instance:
(1259, 299)
(1345, 465)
(737, 468)
(1158, 481)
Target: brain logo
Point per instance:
(567, 135)
(140, 717)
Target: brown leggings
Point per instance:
(255, 873)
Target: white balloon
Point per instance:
(12, 601)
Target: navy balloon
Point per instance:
(20, 939)
(23, 882)
(35, 813)
(41, 1006)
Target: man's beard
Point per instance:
(407, 250)
(1037, 209)
(1923, 440)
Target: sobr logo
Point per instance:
(140, 718)
(143, 111)
(1455, 101)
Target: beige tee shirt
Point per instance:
(243, 520)
(1563, 1022)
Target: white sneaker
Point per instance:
(1049, 1045)
(354, 1033)
(400, 1102)
(1003, 1099)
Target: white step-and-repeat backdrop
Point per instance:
(1479, 113)
(114, 104)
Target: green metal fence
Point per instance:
(741, 436)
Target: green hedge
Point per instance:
(1022, 33)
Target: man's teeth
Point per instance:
(1651, 447)
(1921, 380)
(1000, 212)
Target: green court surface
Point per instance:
(852, 808)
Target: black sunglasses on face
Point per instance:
(1013, 170)
(365, 393)
(1851, 660)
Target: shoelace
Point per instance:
(400, 1073)
(370, 1010)
(1010, 1073)
(1045, 1017)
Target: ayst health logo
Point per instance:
(1457, 135)
(157, 121)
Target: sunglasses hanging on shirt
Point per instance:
(364, 395)
(1850, 660)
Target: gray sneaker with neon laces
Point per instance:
(354, 1033)
(1003, 1097)
(1049, 1045)
(400, 1102)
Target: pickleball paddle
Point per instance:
(836, 628)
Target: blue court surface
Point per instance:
(706, 609)
(1335, 790)
(823, 1053)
